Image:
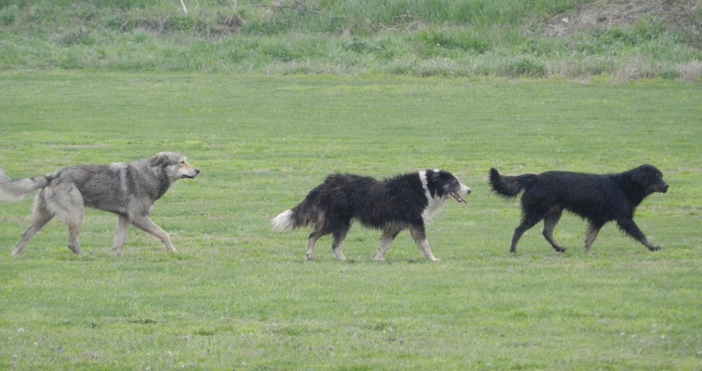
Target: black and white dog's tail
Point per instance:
(300, 216)
(283, 221)
(15, 190)
(510, 186)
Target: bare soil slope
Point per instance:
(604, 14)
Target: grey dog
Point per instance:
(128, 189)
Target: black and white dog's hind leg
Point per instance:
(385, 242)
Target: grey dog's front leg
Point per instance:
(144, 223)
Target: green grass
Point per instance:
(239, 296)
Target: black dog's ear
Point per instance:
(643, 174)
(159, 159)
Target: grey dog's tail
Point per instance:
(305, 213)
(15, 190)
(510, 186)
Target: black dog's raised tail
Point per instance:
(510, 186)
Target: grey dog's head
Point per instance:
(174, 165)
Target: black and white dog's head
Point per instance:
(442, 184)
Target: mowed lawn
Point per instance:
(240, 296)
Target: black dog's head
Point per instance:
(650, 178)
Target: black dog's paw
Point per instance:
(654, 248)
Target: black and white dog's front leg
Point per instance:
(420, 238)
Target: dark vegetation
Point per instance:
(577, 39)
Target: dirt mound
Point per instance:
(604, 14)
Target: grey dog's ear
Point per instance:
(159, 159)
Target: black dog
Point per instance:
(391, 205)
(597, 198)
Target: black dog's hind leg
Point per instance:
(550, 221)
(628, 226)
(528, 221)
(592, 231)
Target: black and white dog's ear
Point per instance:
(434, 176)
(160, 159)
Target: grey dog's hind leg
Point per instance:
(40, 217)
(74, 227)
(65, 201)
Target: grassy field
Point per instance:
(239, 296)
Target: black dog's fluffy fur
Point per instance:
(597, 198)
(391, 205)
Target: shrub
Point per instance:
(8, 15)
(526, 67)
(358, 45)
(458, 39)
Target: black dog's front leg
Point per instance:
(628, 226)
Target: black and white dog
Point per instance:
(392, 205)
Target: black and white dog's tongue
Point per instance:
(456, 196)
